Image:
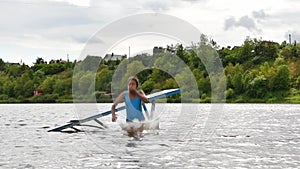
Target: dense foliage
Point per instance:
(257, 71)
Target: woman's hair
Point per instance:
(135, 79)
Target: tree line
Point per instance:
(256, 71)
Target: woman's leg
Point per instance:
(140, 130)
(130, 131)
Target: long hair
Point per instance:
(135, 79)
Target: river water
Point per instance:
(240, 136)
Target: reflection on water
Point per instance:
(247, 135)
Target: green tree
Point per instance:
(228, 55)
(237, 82)
(246, 52)
(169, 84)
(8, 88)
(148, 86)
(249, 76)
(144, 75)
(52, 69)
(90, 63)
(2, 65)
(279, 61)
(298, 83)
(48, 84)
(184, 80)
(63, 87)
(281, 80)
(159, 75)
(85, 83)
(235, 77)
(171, 64)
(286, 52)
(294, 50)
(103, 80)
(181, 53)
(194, 61)
(39, 61)
(18, 88)
(258, 87)
(204, 85)
(28, 89)
(229, 93)
(14, 70)
(2, 80)
(266, 50)
(229, 81)
(132, 69)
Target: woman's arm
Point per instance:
(142, 96)
(118, 100)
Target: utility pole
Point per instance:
(290, 39)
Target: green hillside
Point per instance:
(258, 71)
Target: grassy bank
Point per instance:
(291, 97)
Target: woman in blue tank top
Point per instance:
(132, 98)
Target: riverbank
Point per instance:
(291, 97)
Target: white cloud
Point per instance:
(85, 3)
(244, 21)
(59, 26)
(259, 14)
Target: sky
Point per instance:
(54, 29)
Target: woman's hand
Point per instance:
(142, 96)
(114, 117)
(119, 99)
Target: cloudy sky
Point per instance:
(53, 29)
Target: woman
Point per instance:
(133, 99)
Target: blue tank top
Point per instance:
(133, 108)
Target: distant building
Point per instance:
(37, 92)
(190, 48)
(114, 57)
(170, 48)
(57, 61)
(158, 50)
(268, 43)
(236, 47)
(10, 64)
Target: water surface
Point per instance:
(244, 135)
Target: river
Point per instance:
(240, 136)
